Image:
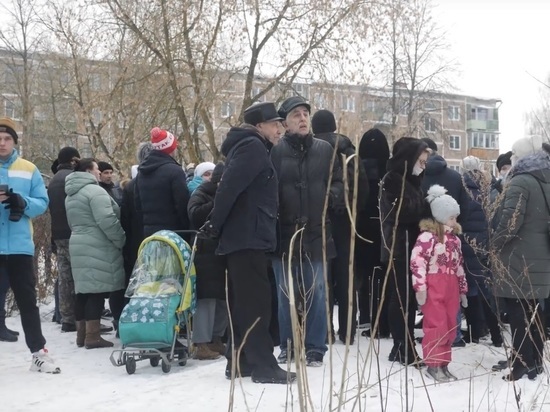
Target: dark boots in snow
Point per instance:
(93, 336)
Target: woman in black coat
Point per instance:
(374, 153)
(210, 319)
(405, 170)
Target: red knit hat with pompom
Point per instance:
(163, 140)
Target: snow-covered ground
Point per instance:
(89, 382)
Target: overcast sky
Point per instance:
(498, 43)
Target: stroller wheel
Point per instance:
(154, 361)
(130, 365)
(165, 366)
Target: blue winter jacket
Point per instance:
(23, 178)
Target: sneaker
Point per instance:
(68, 327)
(273, 375)
(283, 356)
(41, 362)
(314, 359)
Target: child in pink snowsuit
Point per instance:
(438, 280)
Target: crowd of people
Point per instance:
(274, 226)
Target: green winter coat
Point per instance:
(97, 237)
(521, 239)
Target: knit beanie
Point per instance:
(102, 166)
(204, 167)
(503, 160)
(431, 144)
(323, 121)
(163, 140)
(526, 146)
(443, 206)
(217, 173)
(67, 154)
(7, 125)
(471, 163)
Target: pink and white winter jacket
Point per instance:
(431, 257)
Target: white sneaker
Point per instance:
(41, 362)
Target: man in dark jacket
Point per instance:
(61, 233)
(244, 218)
(400, 190)
(106, 181)
(323, 124)
(161, 193)
(438, 173)
(303, 166)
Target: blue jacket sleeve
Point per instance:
(37, 200)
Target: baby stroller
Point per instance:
(162, 297)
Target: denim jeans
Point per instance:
(309, 287)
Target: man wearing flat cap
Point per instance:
(244, 219)
(303, 166)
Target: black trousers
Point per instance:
(89, 306)
(250, 300)
(526, 324)
(401, 298)
(480, 313)
(20, 272)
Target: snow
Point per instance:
(89, 382)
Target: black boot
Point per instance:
(519, 372)
(6, 336)
(245, 370)
(273, 374)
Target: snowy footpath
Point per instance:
(89, 382)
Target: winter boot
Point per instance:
(217, 345)
(93, 337)
(41, 362)
(283, 356)
(80, 333)
(437, 374)
(68, 327)
(519, 371)
(105, 329)
(203, 352)
(448, 374)
(273, 374)
(243, 371)
(5, 334)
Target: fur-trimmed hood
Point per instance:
(430, 225)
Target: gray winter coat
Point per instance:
(97, 237)
(522, 239)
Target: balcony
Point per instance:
(482, 125)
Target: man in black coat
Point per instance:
(303, 166)
(244, 218)
(323, 124)
(106, 181)
(161, 193)
(61, 233)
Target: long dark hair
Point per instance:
(84, 165)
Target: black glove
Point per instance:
(207, 231)
(16, 204)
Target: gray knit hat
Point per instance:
(443, 206)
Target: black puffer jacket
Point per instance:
(132, 223)
(210, 268)
(475, 233)
(346, 148)
(437, 172)
(303, 168)
(161, 194)
(413, 204)
(56, 193)
(245, 206)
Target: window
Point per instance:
(302, 90)
(11, 109)
(319, 101)
(484, 140)
(429, 107)
(256, 91)
(95, 81)
(370, 106)
(454, 142)
(429, 124)
(228, 109)
(480, 113)
(455, 167)
(348, 103)
(454, 112)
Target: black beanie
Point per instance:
(431, 144)
(104, 166)
(67, 154)
(7, 125)
(217, 173)
(323, 121)
(503, 160)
